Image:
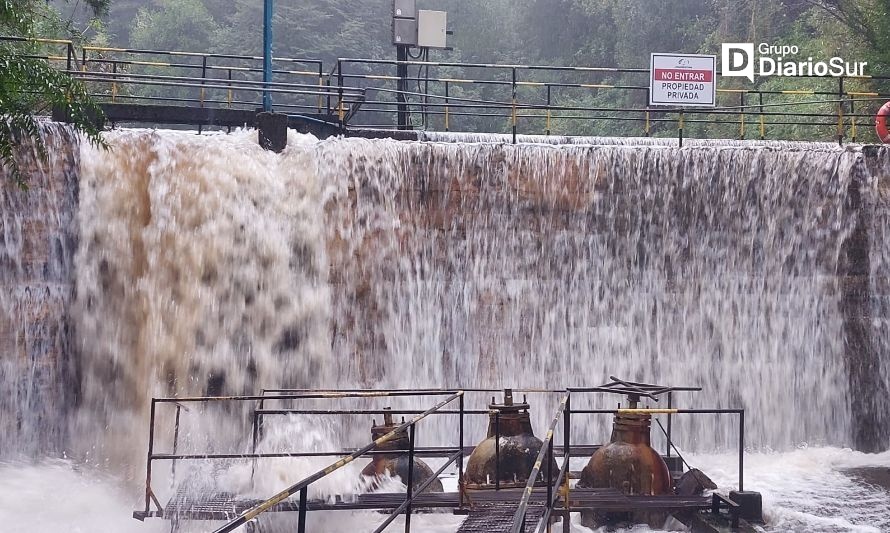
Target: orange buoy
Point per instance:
(881, 123)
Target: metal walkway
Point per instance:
(498, 518)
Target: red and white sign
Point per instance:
(683, 80)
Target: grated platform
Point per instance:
(498, 518)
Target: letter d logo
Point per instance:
(738, 60)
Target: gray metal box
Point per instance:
(404, 31)
(404, 8)
(431, 28)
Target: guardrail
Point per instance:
(367, 93)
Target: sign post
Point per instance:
(683, 80)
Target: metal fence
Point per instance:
(476, 97)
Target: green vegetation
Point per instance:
(29, 86)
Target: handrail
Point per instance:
(546, 450)
(301, 486)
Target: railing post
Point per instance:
(267, 55)
(460, 436)
(513, 86)
(203, 76)
(742, 116)
(840, 111)
(680, 128)
(741, 450)
(114, 81)
(175, 444)
(497, 450)
(670, 405)
(411, 434)
(69, 53)
(229, 93)
(550, 473)
(762, 123)
(446, 114)
(547, 127)
(566, 445)
(301, 523)
(340, 111)
(151, 440)
(320, 87)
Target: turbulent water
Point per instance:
(205, 265)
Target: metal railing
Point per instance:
(303, 486)
(529, 98)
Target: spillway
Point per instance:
(176, 264)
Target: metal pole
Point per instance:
(301, 524)
(514, 105)
(741, 450)
(566, 446)
(151, 439)
(410, 477)
(670, 401)
(460, 433)
(446, 110)
(267, 54)
(680, 129)
(547, 129)
(175, 444)
(402, 86)
(497, 450)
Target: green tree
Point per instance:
(30, 87)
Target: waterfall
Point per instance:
(205, 265)
(38, 239)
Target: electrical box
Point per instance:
(404, 31)
(404, 9)
(431, 28)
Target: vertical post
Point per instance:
(175, 444)
(648, 125)
(741, 450)
(514, 104)
(301, 523)
(547, 129)
(203, 77)
(840, 110)
(852, 120)
(680, 129)
(497, 450)
(670, 405)
(229, 93)
(762, 123)
(114, 82)
(550, 472)
(410, 477)
(320, 87)
(402, 86)
(70, 54)
(742, 116)
(460, 437)
(267, 55)
(340, 110)
(446, 129)
(151, 441)
(566, 446)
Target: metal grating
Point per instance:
(498, 518)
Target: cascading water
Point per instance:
(38, 239)
(206, 265)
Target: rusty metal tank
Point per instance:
(629, 464)
(396, 463)
(507, 461)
